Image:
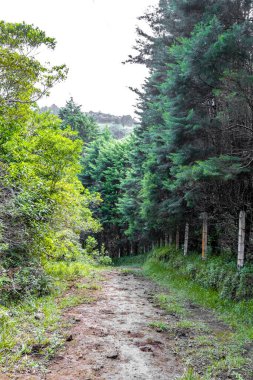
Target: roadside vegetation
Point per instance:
(32, 330)
(213, 329)
(45, 210)
(71, 195)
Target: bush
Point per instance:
(64, 270)
(18, 283)
(105, 260)
(220, 273)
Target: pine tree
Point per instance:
(71, 115)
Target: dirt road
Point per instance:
(130, 328)
(123, 334)
(112, 339)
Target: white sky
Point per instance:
(93, 38)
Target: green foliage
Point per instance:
(160, 326)
(137, 260)
(214, 283)
(90, 244)
(23, 77)
(34, 328)
(24, 282)
(191, 151)
(218, 273)
(72, 116)
(105, 260)
(44, 206)
(190, 375)
(105, 161)
(64, 270)
(43, 168)
(221, 354)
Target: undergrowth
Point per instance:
(217, 272)
(32, 328)
(170, 267)
(125, 261)
(223, 354)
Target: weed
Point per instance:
(31, 329)
(89, 286)
(171, 304)
(190, 375)
(218, 353)
(131, 261)
(73, 300)
(161, 326)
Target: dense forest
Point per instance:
(43, 204)
(169, 191)
(190, 157)
(119, 126)
(182, 177)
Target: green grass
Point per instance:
(236, 314)
(34, 327)
(125, 261)
(222, 352)
(171, 304)
(159, 325)
(26, 326)
(190, 375)
(68, 271)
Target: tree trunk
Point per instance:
(204, 236)
(177, 239)
(241, 239)
(170, 238)
(186, 239)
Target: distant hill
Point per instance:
(119, 126)
(54, 109)
(104, 118)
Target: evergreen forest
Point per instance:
(174, 197)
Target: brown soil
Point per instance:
(112, 340)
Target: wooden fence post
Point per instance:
(186, 239)
(177, 239)
(204, 236)
(241, 239)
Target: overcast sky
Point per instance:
(93, 38)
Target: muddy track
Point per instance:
(111, 338)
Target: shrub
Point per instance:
(18, 283)
(220, 273)
(105, 260)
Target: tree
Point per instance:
(71, 115)
(23, 78)
(104, 163)
(43, 204)
(192, 147)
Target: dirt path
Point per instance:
(111, 338)
(123, 332)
